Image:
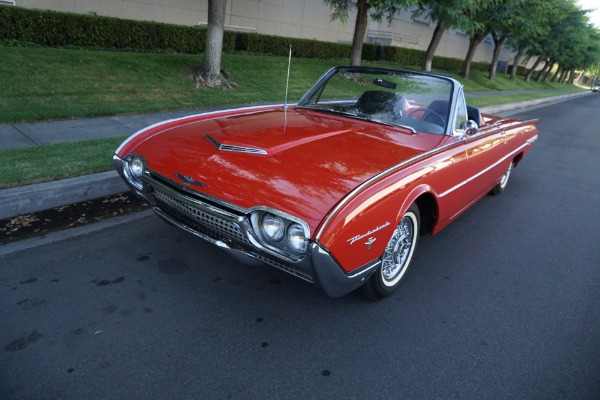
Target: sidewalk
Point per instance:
(34, 198)
(13, 136)
(23, 135)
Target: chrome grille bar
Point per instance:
(201, 220)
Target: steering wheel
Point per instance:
(426, 111)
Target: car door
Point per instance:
(485, 158)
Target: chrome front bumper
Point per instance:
(230, 230)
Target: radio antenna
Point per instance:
(287, 84)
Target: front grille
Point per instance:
(200, 220)
(213, 221)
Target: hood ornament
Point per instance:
(188, 180)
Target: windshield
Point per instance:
(415, 101)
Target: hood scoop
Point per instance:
(237, 149)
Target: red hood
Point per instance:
(310, 161)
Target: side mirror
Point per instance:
(471, 128)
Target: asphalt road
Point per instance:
(502, 304)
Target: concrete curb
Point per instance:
(33, 198)
(43, 196)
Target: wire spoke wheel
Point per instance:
(398, 250)
(396, 257)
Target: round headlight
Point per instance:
(296, 238)
(136, 167)
(272, 227)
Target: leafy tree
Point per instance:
(447, 14)
(477, 32)
(377, 8)
(503, 20)
(532, 21)
(563, 37)
(573, 37)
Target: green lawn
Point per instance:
(43, 84)
(48, 84)
(56, 161)
(505, 99)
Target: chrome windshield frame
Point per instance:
(456, 87)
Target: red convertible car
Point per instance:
(336, 189)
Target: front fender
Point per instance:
(359, 231)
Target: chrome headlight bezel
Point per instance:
(133, 170)
(272, 227)
(294, 231)
(296, 238)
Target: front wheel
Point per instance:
(396, 257)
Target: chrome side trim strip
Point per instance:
(361, 187)
(532, 140)
(377, 177)
(477, 175)
(364, 270)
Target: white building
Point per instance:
(307, 19)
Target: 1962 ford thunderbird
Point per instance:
(337, 188)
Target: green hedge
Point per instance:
(280, 46)
(56, 29)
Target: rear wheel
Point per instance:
(499, 188)
(396, 258)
